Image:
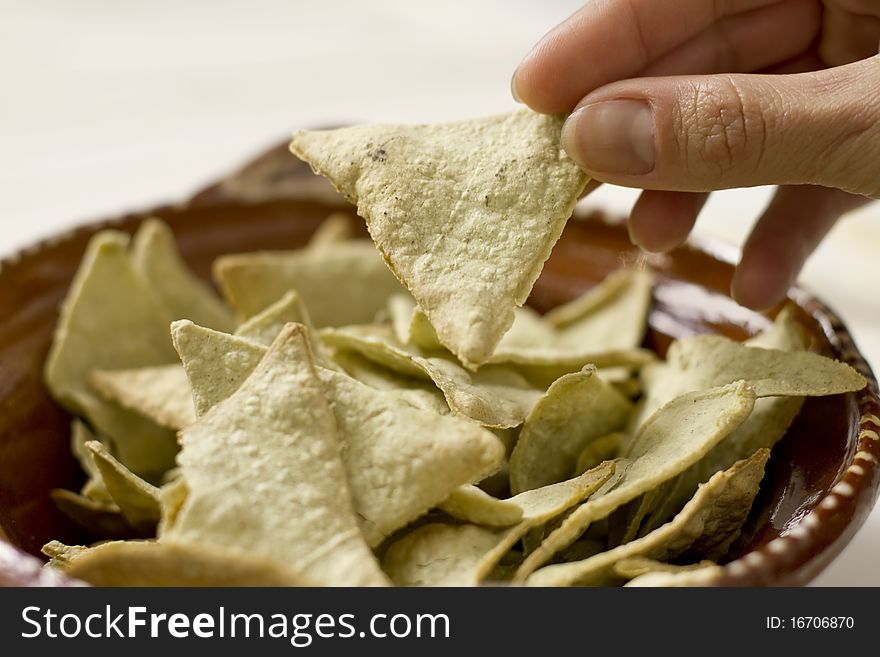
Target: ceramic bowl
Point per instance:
(822, 479)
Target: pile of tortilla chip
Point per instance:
(354, 416)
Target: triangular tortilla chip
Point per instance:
(265, 474)
(577, 409)
(213, 369)
(137, 500)
(148, 563)
(464, 213)
(337, 227)
(182, 295)
(160, 393)
(674, 438)
(706, 526)
(341, 283)
(265, 326)
(462, 555)
(111, 320)
(390, 445)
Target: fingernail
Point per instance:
(513, 91)
(612, 136)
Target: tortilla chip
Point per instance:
(705, 361)
(155, 256)
(340, 283)
(60, 555)
(464, 213)
(94, 487)
(107, 304)
(137, 500)
(407, 446)
(604, 327)
(470, 504)
(576, 410)
(160, 393)
(694, 362)
(337, 227)
(495, 396)
(390, 446)
(418, 392)
(171, 498)
(99, 519)
(707, 526)
(705, 575)
(440, 554)
(601, 449)
(148, 563)
(410, 325)
(638, 566)
(265, 474)
(216, 363)
(613, 315)
(265, 326)
(674, 438)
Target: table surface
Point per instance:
(109, 106)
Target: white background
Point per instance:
(109, 106)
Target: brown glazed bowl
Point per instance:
(822, 479)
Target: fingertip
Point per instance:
(758, 288)
(513, 89)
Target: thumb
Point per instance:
(699, 133)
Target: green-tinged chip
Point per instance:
(576, 410)
(94, 488)
(638, 566)
(464, 213)
(471, 504)
(137, 500)
(215, 363)
(111, 320)
(337, 227)
(340, 283)
(674, 438)
(183, 296)
(440, 554)
(706, 526)
(160, 393)
(705, 575)
(265, 326)
(601, 449)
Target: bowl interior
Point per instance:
(691, 297)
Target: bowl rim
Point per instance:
(794, 558)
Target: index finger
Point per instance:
(608, 40)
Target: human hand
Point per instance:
(660, 101)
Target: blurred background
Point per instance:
(109, 106)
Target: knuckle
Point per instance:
(722, 128)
